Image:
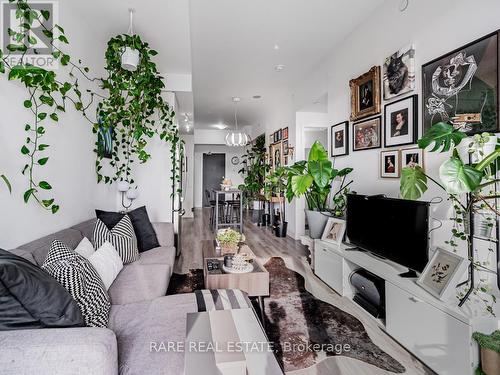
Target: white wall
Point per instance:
(305, 122)
(231, 170)
(70, 169)
(188, 192)
(154, 177)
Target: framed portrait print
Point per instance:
(401, 122)
(279, 135)
(389, 164)
(275, 136)
(365, 94)
(285, 147)
(339, 135)
(399, 73)
(443, 273)
(411, 157)
(276, 151)
(461, 87)
(367, 134)
(285, 133)
(334, 231)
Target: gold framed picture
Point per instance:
(365, 94)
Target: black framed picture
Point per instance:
(339, 135)
(367, 134)
(401, 122)
(285, 133)
(280, 137)
(389, 164)
(461, 87)
(285, 147)
(275, 137)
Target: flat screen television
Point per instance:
(395, 229)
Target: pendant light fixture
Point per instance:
(235, 137)
(130, 56)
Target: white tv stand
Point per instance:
(437, 332)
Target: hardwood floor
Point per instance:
(265, 245)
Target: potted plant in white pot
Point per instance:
(314, 179)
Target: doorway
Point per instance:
(214, 169)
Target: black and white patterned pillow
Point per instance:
(122, 237)
(81, 280)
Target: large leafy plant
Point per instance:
(314, 179)
(456, 179)
(133, 107)
(254, 169)
(276, 185)
(455, 176)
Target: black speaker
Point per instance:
(369, 292)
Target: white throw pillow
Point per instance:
(85, 248)
(107, 263)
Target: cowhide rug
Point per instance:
(303, 329)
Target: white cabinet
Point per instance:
(328, 267)
(436, 338)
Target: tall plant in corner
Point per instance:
(254, 169)
(314, 179)
(460, 179)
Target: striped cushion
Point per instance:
(122, 237)
(80, 279)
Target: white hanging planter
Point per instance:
(468, 147)
(130, 59)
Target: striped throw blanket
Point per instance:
(221, 299)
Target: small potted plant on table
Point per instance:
(229, 240)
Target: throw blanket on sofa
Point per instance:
(221, 299)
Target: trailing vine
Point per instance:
(134, 108)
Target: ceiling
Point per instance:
(233, 50)
(163, 24)
(230, 47)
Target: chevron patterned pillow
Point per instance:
(122, 237)
(81, 280)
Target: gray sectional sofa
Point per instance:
(142, 318)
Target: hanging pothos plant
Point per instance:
(133, 109)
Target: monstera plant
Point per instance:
(314, 178)
(458, 176)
